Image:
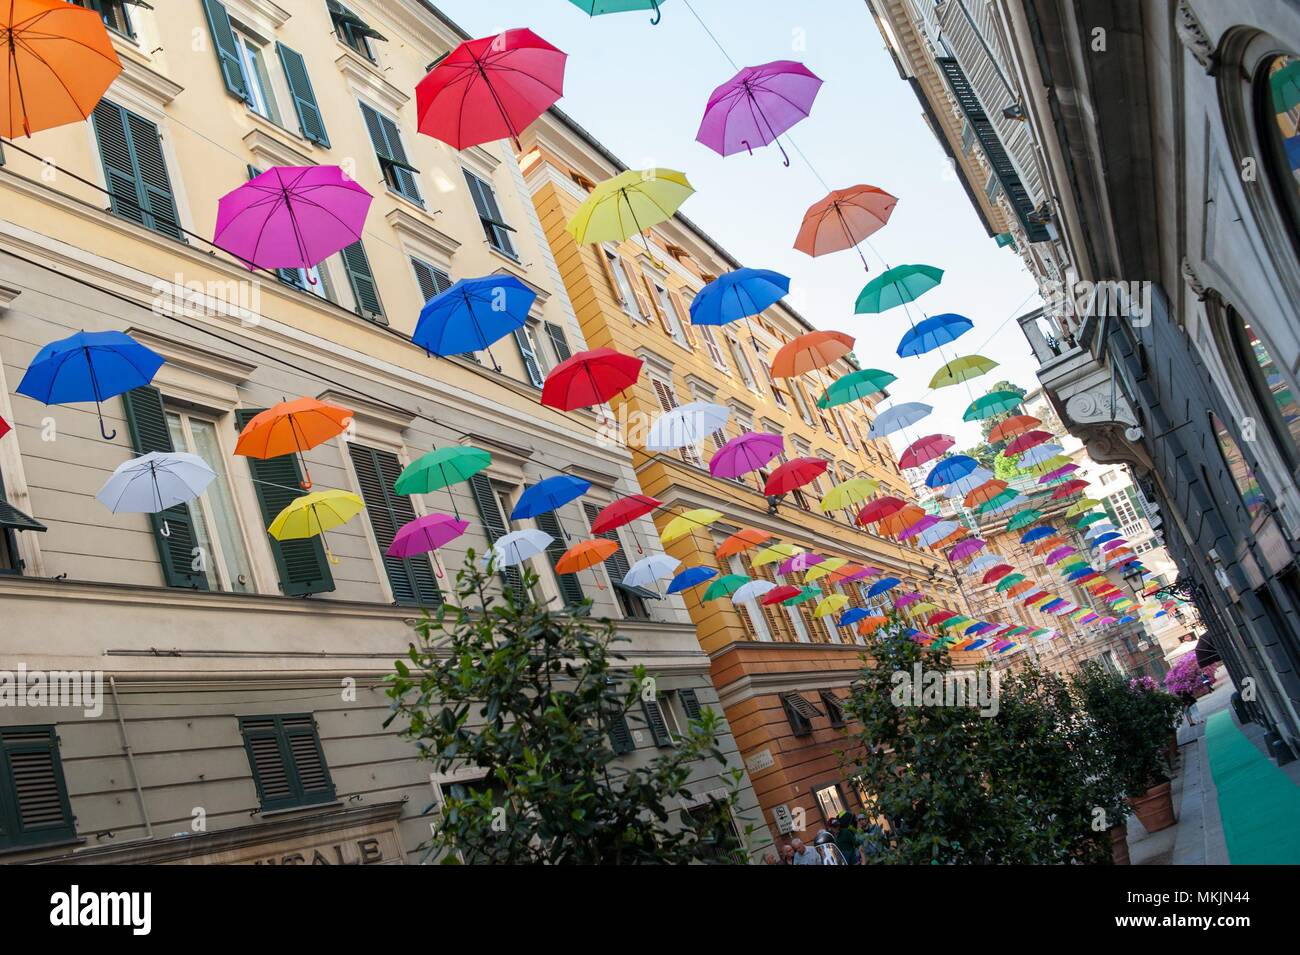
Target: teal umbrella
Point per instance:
(725, 586)
(1285, 86)
(858, 384)
(595, 8)
(995, 402)
(898, 286)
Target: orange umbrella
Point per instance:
(987, 490)
(59, 61)
(813, 350)
(1016, 424)
(843, 219)
(1049, 543)
(292, 427)
(743, 539)
(896, 523)
(585, 554)
(870, 625)
(952, 538)
(1020, 588)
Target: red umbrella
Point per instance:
(925, 449)
(778, 594)
(589, 378)
(4, 427)
(794, 474)
(1030, 439)
(623, 511)
(879, 509)
(843, 219)
(490, 88)
(1068, 488)
(997, 573)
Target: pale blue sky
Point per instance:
(641, 90)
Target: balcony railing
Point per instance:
(1047, 336)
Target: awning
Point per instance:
(801, 705)
(11, 517)
(1207, 655)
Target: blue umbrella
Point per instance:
(1037, 534)
(89, 366)
(853, 615)
(950, 469)
(549, 494)
(1108, 536)
(932, 332)
(882, 585)
(737, 295)
(974, 626)
(1125, 619)
(473, 314)
(690, 577)
(1081, 572)
(977, 644)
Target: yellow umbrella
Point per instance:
(1079, 507)
(770, 555)
(841, 496)
(313, 514)
(683, 524)
(829, 565)
(923, 606)
(1048, 465)
(962, 369)
(828, 605)
(632, 201)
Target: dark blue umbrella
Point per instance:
(737, 295)
(932, 332)
(1037, 534)
(1108, 536)
(1081, 572)
(977, 644)
(89, 366)
(951, 469)
(882, 585)
(853, 615)
(473, 314)
(549, 494)
(690, 577)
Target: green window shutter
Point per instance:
(223, 41)
(412, 580)
(654, 718)
(287, 276)
(134, 169)
(301, 564)
(147, 420)
(34, 805)
(559, 341)
(288, 763)
(399, 174)
(690, 703)
(631, 599)
(570, 589)
(364, 290)
(494, 525)
(432, 281)
(310, 120)
(489, 213)
(529, 357)
(620, 735)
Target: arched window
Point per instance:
(1243, 475)
(1269, 385)
(1277, 99)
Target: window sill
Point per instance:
(39, 846)
(308, 807)
(408, 200)
(505, 256)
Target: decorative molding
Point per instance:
(1100, 404)
(1193, 280)
(7, 296)
(366, 81)
(182, 354)
(260, 14)
(1193, 36)
(413, 228)
(655, 363)
(541, 293)
(480, 161)
(378, 413)
(701, 389)
(144, 86)
(275, 153)
(508, 459)
(600, 478)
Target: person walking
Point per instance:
(802, 854)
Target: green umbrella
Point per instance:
(596, 7)
(995, 402)
(441, 468)
(997, 500)
(1022, 519)
(1285, 84)
(905, 283)
(858, 384)
(1087, 519)
(725, 586)
(808, 593)
(1009, 581)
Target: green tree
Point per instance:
(530, 696)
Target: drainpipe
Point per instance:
(130, 758)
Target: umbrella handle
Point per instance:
(600, 584)
(658, 13)
(437, 567)
(166, 530)
(745, 143)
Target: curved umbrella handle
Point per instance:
(166, 530)
(658, 13)
(600, 584)
(745, 143)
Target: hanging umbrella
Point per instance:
(799, 562)
(744, 453)
(794, 474)
(736, 295)
(1022, 519)
(690, 577)
(585, 554)
(950, 469)
(854, 386)
(647, 571)
(291, 217)
(897, 286)
(933, 332)
(154, 482)
(810, 351)
(511, 550)
(962, 369)
(1105, 538)
(925, 449)
(548, 494)
(89, 366)
(852, 616)
(1000, 502)
(742, 540)
(879, 509)
(824, 568)
(489, 88)
(1068, 488)
(589, 378)
(850, 492)
(756, 106)
(994, 403)
(725, 586)
(1057, 474)
(596, 8)
(966, 548)
(898, 417)
(1010, 580)
(686, 523)
(473, 314)
(4, 427)
(911, 530)
(1024, 442)
(750, 592)
(1043, 454)
(985, 492)
(884, 585)
(770, 555)
(1081, 506)
(1037, 534)
(425, 534)
(780, 594)
(1059, 553)
(902, 600)
(631, 202)
(997, 573)
(967, 483)
(1012, 426)
(805, 595)
(623, 511)
(936, 533)
(442, 467)
(828, 605)
(1089, 519)
(686, 425)
(313, 514)
(1284, 84)
(843, 219)
(59, 61)
(292, 427)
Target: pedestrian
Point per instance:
(1188, 699)
(848, 838)
(803, 854)
(787, 854)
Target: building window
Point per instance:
(801, 400)
(715, 350)
(34, 806)
(489, 214)
(1278, 102)
(529, 355)
(671, 319)
(261, 96)
(800, 712)
(834, 708)
(352, 31)
(1243, 475)
(11, 521)
(631, 600)
(667, 402)
(742, 363)
(631, 301)
(830, 800)
(361, 281)
(288, 763)
(1268, 382)
(135, 169)
(399, 175)
(113, 13)
(493, 505)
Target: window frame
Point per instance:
(67, 832)
(276, 804)
(495, 230)
(257, 76)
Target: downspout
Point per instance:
(130, 758)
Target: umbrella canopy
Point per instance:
(1010, 580)
(514, 548)
(966, 548)
(1012, 426)
(154, 482)
(686, 425)
(596, 8)
(744, 453)
(684, 524)
(59, 62)
(855, 385)
(585, 554)
(770, 555)
(897, 418)
(933, 332)
(925, 449)
(962, 369)
(994, 403)
(292, 427)
(646, 571)
(1058, 554)
(824, 568)
(810, 351)
(804, 595)
(897, 286)
(899, 522)
(4, 427)
(927, 521)
(879, 509)
(489, 88)
(902, 600)
(291, 217)
(780, 594)
(742, 540)
(794, 474)
(1089, 519)
(736, 295)
(1081, 506)
(843, 219)
(935, 533)
(852, 616)
(1043, 454)
(756, 106)
(985, 492)
(630, 202)
(751, 591)
(548, 494)
(799, 562)
(1037, 534)
(89, 366)
(690, 577)
(589, 378)
(473, 314)
(624, 511)
(725, 586)
(964, 485)
(441, 467)
(849, 492)
(313, 514)
(884, 585)
(1024, 442)
(1068, 488)
(1000, 501)
(828, 605)
(997, 573)
(950, 469)
(425, 534)
(1058, 473)
(1023, 519)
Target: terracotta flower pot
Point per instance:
(1154, 808)
(1119, 844)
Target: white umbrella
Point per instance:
(748, 593)
(154, 482)
(1105, 527)
(1038, 455)
(647, 570)
(686, 425)
(983, 562)
(935, 533)
(516, 547)
(963, 486)
(898, 417)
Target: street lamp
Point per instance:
(1133, 579)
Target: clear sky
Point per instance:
(641, 89)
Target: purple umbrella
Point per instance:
(966, 548)
(799, 562)
(756, 106)
(928, 521)
(744, 453)
(425, 534)
(291, 217)
(1059, 473)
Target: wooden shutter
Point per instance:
(683, 316)
(559, 341)
(147, 420)
(489, 213)
(287, 760)
(223, 41)
(667, 402)
(570, 589)
(364, 290)
(494, 525)
(635, 282)
(529, 358)
(603, 257)
(412, 579)
(301, 564)
(690, 703)
(432, 281)
(134, 169)
(310, 119)
(384, 136)
(656, 308)
(632, 599)
(34, 805)
(715, 351)
(620, 734)
(654, 718)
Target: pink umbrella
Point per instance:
(425, 534)
(1059, 553)
(928, 521)
(1111, 545)
(799, 562)
(756, 106)
(904, 599)
(925, 449)
(1059, 473)
(967, 547)
(291, 217)
(858, 574)
(745, 453)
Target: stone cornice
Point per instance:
(409, 225)
(368, 82)
(274, 152)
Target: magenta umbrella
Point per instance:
(756, 106)
(799, 562)
(904, 599)
(425, 534)
(1058, 554)
(291, 217)
(928, 521)
(744, 453)
(967, 547)
(858, 574)
(1060, 472)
